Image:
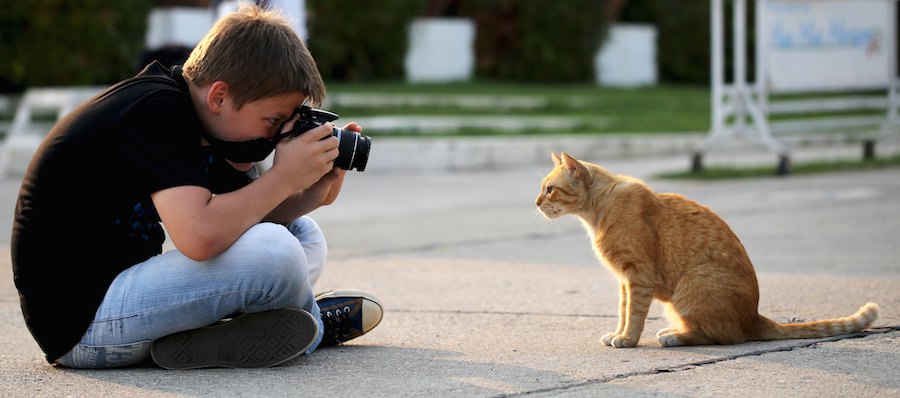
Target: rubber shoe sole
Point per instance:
(347, 314)
(255, 340)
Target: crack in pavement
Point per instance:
(697, 364)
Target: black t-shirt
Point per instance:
(84, 212)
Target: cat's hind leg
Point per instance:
(678, 334)
(675, 322)
(703, 328)
(709, 314)
(676, 338)
(666, 331)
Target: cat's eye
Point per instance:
(549, 190)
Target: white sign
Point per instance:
(818, 45)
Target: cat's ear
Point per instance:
(556, 160)
(572, 165)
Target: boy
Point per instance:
(178, 146)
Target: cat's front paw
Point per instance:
(622, 341)
(608, 338)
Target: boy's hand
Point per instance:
(325, 191)
(305, 159)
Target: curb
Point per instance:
(393, 154)
(433, 154)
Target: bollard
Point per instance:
(784, 165)
(868, 150)
(697, 162)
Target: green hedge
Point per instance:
(537, 40)
(683, 37)
(361, 40)
(61, 42)
(53, 42)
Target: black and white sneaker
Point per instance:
(347, 314)
(253, 340)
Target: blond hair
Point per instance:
(258, 54)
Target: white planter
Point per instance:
(181, 26)
(440, 50)
(628, 58)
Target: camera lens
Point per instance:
(353, 149)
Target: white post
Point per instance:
(892, 64)
(762, 93)
(740, 64)
(717, 122)
(718, 66)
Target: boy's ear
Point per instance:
(215, 97)
(573, 166)
(556, 160)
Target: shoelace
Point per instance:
(335, 323)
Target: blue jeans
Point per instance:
(271, 266)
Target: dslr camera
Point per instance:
(353, 147)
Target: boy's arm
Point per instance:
(324, 192)
(202, 225)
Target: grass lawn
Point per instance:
(722, 173)
(586, 108)
(596, 109)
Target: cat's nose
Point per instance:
(537, 202)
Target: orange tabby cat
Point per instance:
(665, 246)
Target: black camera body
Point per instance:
(353, 147)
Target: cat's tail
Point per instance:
(771, 330)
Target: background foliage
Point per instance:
(360, 40)
(61, 42)
(683, 37)
(537, 40)
(96, 42)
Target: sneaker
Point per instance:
(347, 314)
(253, 340)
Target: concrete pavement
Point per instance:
(484, 297)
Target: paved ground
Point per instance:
(484, 297)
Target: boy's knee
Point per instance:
(272, 248)
(309, 234)
(265, 231)
(306, 230)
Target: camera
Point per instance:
(353, 147)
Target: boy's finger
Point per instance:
(326, 130)
(354, 127)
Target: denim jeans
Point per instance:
(271, 266)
